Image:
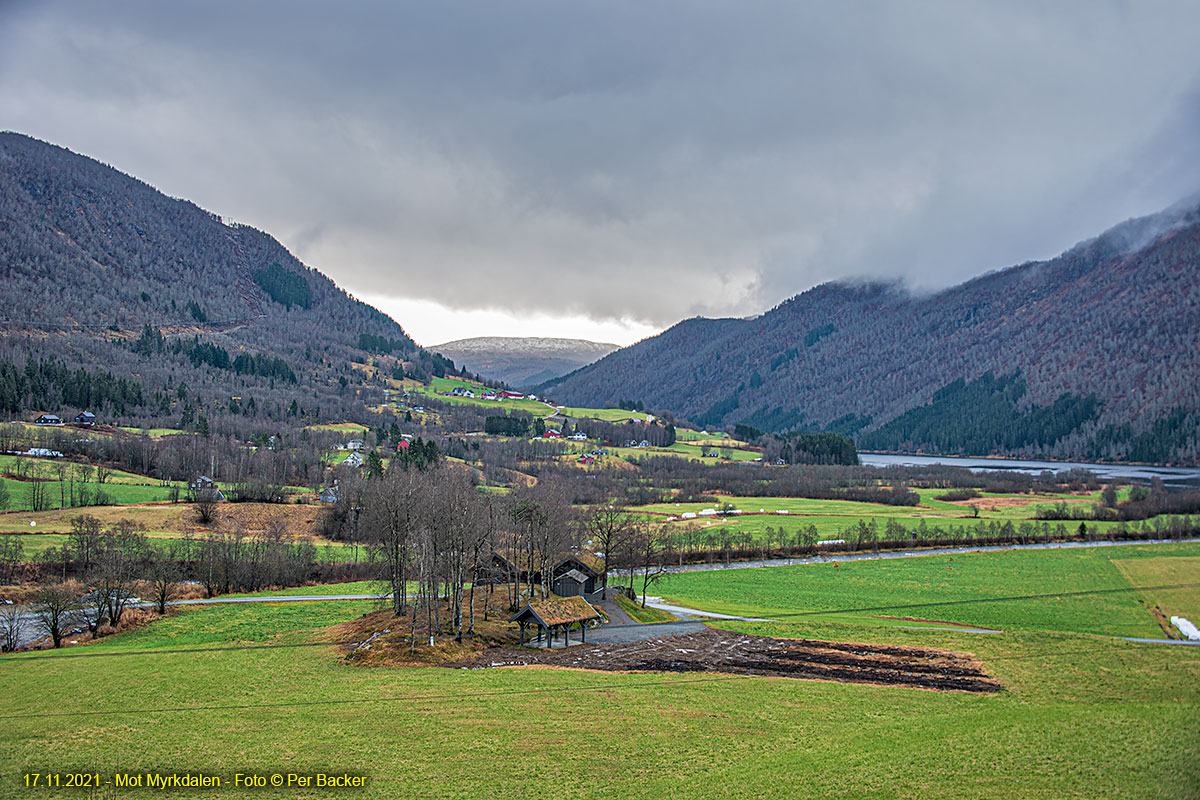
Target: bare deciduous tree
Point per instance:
(164, 574)
(12, 552)
(608, 527)
(56, 610)
(650, 556)
(206, 502)
(12, 626)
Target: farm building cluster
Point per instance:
(85, 418)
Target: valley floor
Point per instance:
(1081, 713)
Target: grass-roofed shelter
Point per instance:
(557, 614)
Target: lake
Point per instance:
(1174, 476)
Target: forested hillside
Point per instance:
(146, 308)
(1093, 354)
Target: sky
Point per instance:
(602, 170)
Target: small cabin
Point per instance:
(571, 577)
(205, 485)
(201, 484)
(330, 495)
(48, 419)
(85, 418)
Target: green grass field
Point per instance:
(709, 437)
(118, 493)
(153, 433)
(1081, 716)
(349, 587)
(439, 385)
(348, 429)
(605, 414)
(927, 583)
(834, 519)
(34, 544)
(121, 487)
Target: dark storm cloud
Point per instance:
(620, 159)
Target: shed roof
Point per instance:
(557, 611)
(575, 575)
(578, 562)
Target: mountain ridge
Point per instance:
(523, 360)
(103, 272)
(1116, 316)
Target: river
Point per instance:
(1173, 476)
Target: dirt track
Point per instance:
(734, 653)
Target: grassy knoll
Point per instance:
(1081, 716)
(645, 615)
(938, 579)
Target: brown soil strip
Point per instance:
(725, 652)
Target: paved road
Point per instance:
(623, 634)
(684, 611)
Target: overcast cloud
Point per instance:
(584, 168)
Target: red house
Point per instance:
(402, 445)
(552, 434)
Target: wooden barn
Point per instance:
(572, 577)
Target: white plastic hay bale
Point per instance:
(1190, 631)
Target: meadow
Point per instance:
(1082, 715)
(121, 487)
(837, 519)
(605, 414)
(972, 589)
(163, 522)
(350, 430)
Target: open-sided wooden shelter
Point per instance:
(557, 614)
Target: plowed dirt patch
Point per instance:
(740, 654)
